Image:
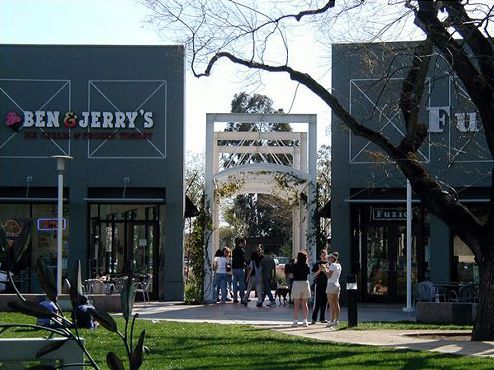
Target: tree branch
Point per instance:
(411, 96)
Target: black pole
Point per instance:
(351, 289)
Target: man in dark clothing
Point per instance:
(321, 281)
(82, 316)
(268, 275)
(238, 269)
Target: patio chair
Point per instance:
(468, 293)
(425, 291)
(144, 288)
(97, 287)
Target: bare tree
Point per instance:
(252, 34)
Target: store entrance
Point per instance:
(125, 245)
(384, 256)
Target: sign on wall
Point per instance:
(389, 214)
(123, 119)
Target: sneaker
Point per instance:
(235, 301)
(272, 303)
(294, 323)
(244, 303)
(228, 300)
(312, 322)
(323, 321)
(304, 323)
(329, 324)
(258, 304)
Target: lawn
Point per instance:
(176, 345)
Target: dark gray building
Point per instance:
(119, 112)
(369, 192)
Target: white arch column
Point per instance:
(210, 201)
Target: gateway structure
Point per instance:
(280, 163)
(119, 112)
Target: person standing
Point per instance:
(333, 288)
(321, 282)
(222, 271)
(268, 275)
(254, 279)
(238, 269)
(216, 277)
(300, 288)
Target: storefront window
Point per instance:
(45, 237)
(466, 269)
(32, 234)
(124, 238)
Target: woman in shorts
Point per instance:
(300, 287)
(333, 288)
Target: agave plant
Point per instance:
(65, 327)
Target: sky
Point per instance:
(122, 22)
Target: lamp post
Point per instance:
(409, 307)
(60, 170)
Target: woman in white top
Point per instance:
(333, 289)
(223, 268)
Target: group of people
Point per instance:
(81, 314)
(231, 269)
(327, 288)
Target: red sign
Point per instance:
(47, 224)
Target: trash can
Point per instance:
(351, 290)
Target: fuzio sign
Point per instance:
(439, 117)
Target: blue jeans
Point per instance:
(266, 282)
(238, 283)
(222, 279)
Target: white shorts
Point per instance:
(332, 288)
(300, 290)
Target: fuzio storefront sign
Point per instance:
(439, 117)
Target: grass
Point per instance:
(176, 345)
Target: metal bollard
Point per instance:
(351, 289)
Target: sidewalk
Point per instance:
(279, 318)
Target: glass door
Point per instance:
(385, 271)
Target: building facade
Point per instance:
(368, 204)
(118, 111)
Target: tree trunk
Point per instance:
(484, 322)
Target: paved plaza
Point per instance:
(279, 318)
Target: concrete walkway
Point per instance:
(279, 318)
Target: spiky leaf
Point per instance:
(104, 319)
(127, 298)
(138, 353)
(50, 347)
(46, 280)
(113, 362)
(31, 309)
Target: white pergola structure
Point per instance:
(281, 163)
